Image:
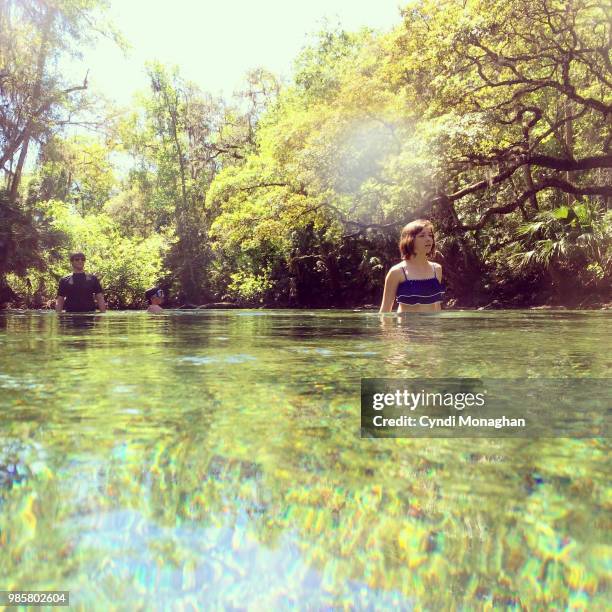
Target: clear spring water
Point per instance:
(213, 459)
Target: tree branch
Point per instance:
(547, 183)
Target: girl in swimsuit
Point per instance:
(415, 282)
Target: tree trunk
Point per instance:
(569, 141)
(26, 134)
(16, 179)
(181, 215)
(533, 199)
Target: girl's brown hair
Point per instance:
(406, 243)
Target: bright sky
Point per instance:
(215, 42)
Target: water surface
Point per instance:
(213, 459)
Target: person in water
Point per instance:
(155, 297)
(79, 291)
(415, 282)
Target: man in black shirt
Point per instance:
(78, 289)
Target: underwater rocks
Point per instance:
(19, 461)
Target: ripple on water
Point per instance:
(239, 358)
(197, 360)
(204, 360)
(8, 382)
(309, 350)
(123, 389)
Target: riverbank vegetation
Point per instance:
(491, 118)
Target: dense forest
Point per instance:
(490, 118)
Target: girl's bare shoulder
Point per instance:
(396, 270)
(437, 269)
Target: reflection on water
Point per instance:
(214, 459)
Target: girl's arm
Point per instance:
(391, 283)
(438, 271)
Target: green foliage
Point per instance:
(28, 238)
(172, 136)
(374, 127)
(126, 266)
(577, 239)
(250, 288)
(36, 99)
(319, 68)
(77, 171)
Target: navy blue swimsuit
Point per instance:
(420, 291)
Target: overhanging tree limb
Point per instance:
(543, 161)
(547, 183)
(569, 165)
